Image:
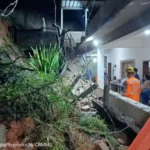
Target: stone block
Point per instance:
(85, 108)
(101, 145)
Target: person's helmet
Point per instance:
(130, 70)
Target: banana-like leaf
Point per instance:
(46, 59)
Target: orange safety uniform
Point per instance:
(133, 89)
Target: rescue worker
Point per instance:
(136, 74)
(133, 88)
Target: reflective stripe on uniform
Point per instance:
(133, 81)
(133, 93)
(133, 89)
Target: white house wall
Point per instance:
(116, 55)
(100, 67)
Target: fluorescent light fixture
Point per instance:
(92, 55)
(90, 39)
(95, 60)
(95, 42)
(147, 32)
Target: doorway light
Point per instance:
(147, 32)
(94, 60)
(95, 42)
(90, 39)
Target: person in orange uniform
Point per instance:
(133, 88)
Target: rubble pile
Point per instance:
(87, 109)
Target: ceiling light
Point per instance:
(95, 60)
(92, 55)
(147, 32)
(95, 42)
(90, 39)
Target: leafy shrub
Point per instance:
(94, 124)
(46, 59)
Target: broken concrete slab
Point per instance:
(123, 139)
(75, 80)
(88, 91)
(98, 92)
(85, 108)
(89, 113)
(101, 145)
(80, 87)
(132, 113)
(68, 78)
(84, 100)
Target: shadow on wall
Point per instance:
(27, 38)
(30, 19)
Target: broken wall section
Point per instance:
(132, 113)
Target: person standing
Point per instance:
(145, 94)
(133, 88)
(105, 74)
(136, 74)
(105, 77)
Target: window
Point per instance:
(146, 67)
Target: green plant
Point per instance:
(46, 59)
(44, 98)
(94, 124)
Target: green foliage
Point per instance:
(46, 59)
(61, 147)
(113, 141)
(94, 124)
(41, 95)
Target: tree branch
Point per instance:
(14, 4)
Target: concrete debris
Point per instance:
(100, 145)
(70, 100)
(75, 80)
(123, 139)
(139, 112)
(88, 91)
(85, 108)
(84, 101)
(93, 109)
(125, 119)
(90, 113)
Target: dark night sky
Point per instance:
(47, 6)
(32, 3)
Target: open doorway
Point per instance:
(146, 67)
(124, 65)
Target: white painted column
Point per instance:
(100, 67)
(62, 18)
